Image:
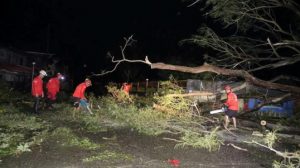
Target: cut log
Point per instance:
(191, 94)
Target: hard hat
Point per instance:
(88, 81)
(227, 87)
(43, 72)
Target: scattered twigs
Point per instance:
(236, 147)
(171, 139)
(230, 132)
(288, 156)
(192, 4)
(214, 120)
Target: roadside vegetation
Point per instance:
(164, 116)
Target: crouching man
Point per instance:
(79, 94)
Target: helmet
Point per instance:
(227, 87)
(88, 81)
(43, 72)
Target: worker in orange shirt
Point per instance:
(126, 87)
(53, 87)
(232, 105)
(78, 95)
(37, 90)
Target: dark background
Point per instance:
(81, 33)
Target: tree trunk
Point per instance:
(228, 72)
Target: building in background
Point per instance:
(18, 67)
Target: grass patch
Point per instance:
(68, 138)
(92, 123)
(9, 143)
(20, 131)
(21, 121)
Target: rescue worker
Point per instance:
(78, 95)
(232, 105)
(53, 87)
(37, 90)
(126, 87)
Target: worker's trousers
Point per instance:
(36, 105)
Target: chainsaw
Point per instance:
(223, 109)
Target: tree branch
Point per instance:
(117, 62)
(227, 72)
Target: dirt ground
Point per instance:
(147, 152)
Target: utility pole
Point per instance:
(32, 73)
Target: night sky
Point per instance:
(82, 32)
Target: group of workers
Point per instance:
(53, 87)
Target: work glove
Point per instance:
(225, 107)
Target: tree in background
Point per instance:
(257, 34)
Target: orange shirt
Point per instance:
(127, 88)
(232, 101)
(53, 85)
(37, 87)
(80, 90)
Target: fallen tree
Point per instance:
(258, 41)
(201, 69)
(228, 72)
(239, 54)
